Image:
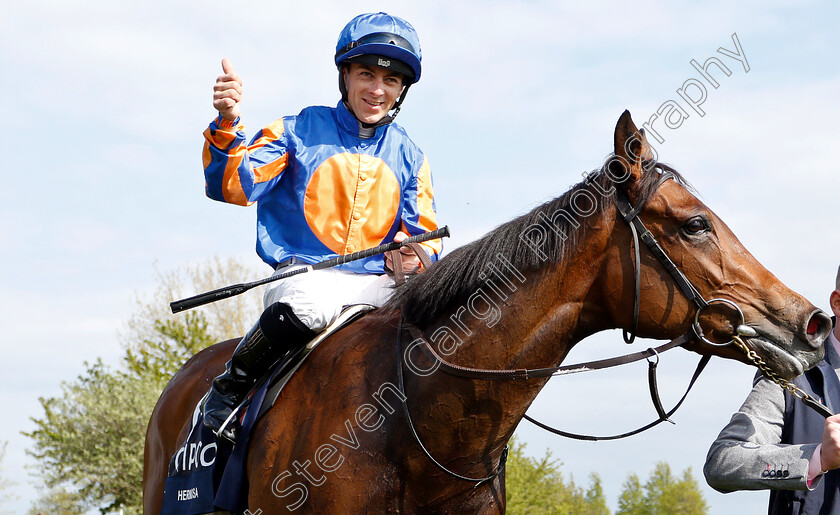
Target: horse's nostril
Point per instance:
(818, 328)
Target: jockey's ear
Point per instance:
(632, 151)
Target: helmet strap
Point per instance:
(396, 107)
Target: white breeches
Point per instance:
(318, 296)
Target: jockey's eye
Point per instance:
(695, 226)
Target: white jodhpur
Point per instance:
(317, 296)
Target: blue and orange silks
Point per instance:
(320, 189)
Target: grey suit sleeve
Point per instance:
(749, 447)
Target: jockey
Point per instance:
(327, 182)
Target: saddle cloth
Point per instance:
(207, 473)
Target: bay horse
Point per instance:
(338, 439)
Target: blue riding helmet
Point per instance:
(380, 34)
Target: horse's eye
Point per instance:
(695, 226)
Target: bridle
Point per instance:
(630, 215)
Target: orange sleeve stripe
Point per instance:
(231, 181)
(221, 138)
(270, 170)
(231, 184)
(271, 132)
(224, 123)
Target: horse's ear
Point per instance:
(631, 150)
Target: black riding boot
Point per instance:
(277, 335)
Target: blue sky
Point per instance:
(104, 104)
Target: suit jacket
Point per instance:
(769, 442)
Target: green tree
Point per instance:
(174, 341)
(662, 494)
(631, 500)
(89, 442)
(538, 487)
(596, 501)
(685, 497)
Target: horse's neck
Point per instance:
(516, 320)
(531, 319)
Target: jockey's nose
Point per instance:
(377, 88)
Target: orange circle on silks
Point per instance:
(351, 202)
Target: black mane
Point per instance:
(450, 282)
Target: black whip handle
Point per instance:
(237, 289)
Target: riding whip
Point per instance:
(236, 289)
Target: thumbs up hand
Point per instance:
(227, 92)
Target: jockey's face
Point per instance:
(371, 91)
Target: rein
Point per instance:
(420, 340)
(533, 373)
(401, 384)
(630, 215)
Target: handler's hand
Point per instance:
(830, 452)
(410, 261)
(227, 92)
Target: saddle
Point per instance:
(207, 473)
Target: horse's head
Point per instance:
(783, 328)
